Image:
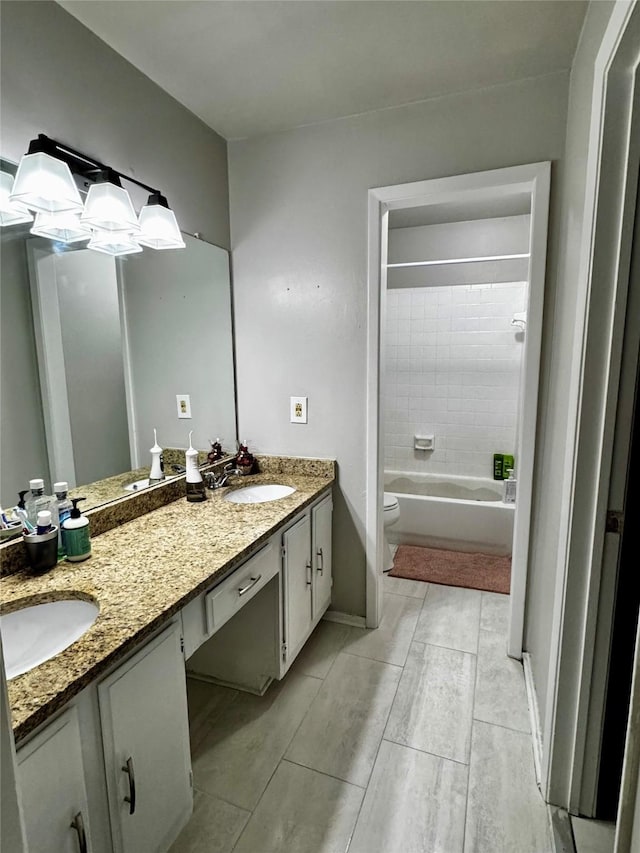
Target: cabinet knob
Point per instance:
(78, 824)
(131, 799)
(321, 561)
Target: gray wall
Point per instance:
(561, 313)
(299, 238)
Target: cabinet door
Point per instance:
(54, 797)
(296, 543)
(321, 516)
(145, 732)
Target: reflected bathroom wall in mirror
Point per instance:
(117, 341)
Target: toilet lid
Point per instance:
(390, 500)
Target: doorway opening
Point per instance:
(474, 203)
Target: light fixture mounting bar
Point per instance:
(80, 163)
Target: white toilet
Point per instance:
(391, 516)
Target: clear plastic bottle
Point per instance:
(38, 501)
(510, 488)
(64, 507)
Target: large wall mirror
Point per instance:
(95, 350)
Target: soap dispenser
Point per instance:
(156, 475)
(245, 461)
(216, 451)
(77, 539)
(195, 484)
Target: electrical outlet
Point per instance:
(183, 402)
(298, 410)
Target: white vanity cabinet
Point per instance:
(145, 735)
(306, 577)
(54, 795)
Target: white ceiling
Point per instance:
(247, 67)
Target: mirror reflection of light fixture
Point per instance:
(45, 183)
(62, 227)
(108, 206)
(158, 226)
(115, 243)
(11, 212)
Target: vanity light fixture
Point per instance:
(158, 226)
(45, 183)
(11, 212)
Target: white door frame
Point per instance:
(575, 693)
(534, 179)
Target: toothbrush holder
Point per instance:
(42, 550)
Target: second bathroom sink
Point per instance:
(258, 494)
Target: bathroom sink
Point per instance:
(33, 634)
(258, 494)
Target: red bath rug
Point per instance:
(453, 568)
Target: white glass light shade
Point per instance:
(64, 227)
(11, 212)
(45, 184)
(109, 208)
(114, 243)
(159, 229)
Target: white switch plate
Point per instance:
(298, 410)
(183, 402)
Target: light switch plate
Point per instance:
(183, 402)
(298, 410)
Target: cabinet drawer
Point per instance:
(225, 600)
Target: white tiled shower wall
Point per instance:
(452, 370)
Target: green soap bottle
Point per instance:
(77, 539)
(507, 465)
(498, 466)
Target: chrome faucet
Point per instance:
(217, 481)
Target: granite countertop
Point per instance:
(144, 572)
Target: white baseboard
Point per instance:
(345, 618)
(534, 717)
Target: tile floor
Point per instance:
(408, 739)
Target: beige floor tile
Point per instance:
(450, 617)
(404, 586)
(205, 702)
(494, 615)
(214, 826)
(500, 696)
(321, 649)
(342, 731)
(302, 812)
(389, 642)
(505, 810)
(248, 738)
(433, 706)
(415, 803)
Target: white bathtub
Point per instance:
(443, 511)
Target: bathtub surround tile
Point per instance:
(243, 746)
(494, 614)
(214, 826)
(390, 641)
(342, 731)
(434, 681)
(500, 696)
(402, 586)
(321, 649)
(414, 803)
(505, 811)
(450, 617)
(302, 811)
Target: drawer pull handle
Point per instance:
(321, 563)
(246, 588)
(78, 824)
(131, 799)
